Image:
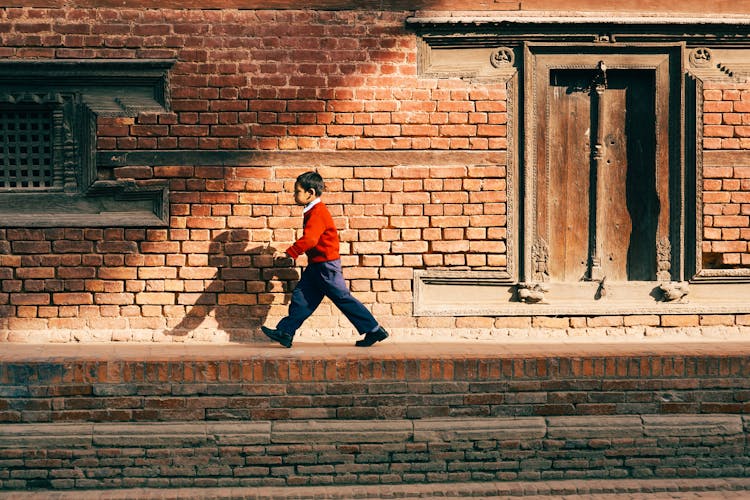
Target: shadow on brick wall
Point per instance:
(237, 298)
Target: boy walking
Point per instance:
(322, 277)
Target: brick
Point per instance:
(29, 298)
(605, 321)
(641, 320)
(680, 320)
(154, 298)
(114, 298)
(449, 246)
(31, 247)
(548, 322)
(731, 221)
(174, 171)
(72, 298)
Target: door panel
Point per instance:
(615, 222)
(602, 205)
(569, 126)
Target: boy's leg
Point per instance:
(335, 288)
(306, 297)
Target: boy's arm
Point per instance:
(311, 234)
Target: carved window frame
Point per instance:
(77, 93)
(664, 60)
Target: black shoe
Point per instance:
(282, 338)
(372, 337)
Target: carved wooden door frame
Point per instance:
(665, 60)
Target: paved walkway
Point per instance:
(390, 349)
(630, 489)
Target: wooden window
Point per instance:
(48, 123)
(26, 139)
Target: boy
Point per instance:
(322, 276)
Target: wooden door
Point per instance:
(602, 209)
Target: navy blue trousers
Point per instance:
(325, 279)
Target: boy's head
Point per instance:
(308, 186)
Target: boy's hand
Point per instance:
(281, 259)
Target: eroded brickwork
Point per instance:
(231, 454)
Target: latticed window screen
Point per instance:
(26, 160)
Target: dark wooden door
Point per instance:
(600, 186)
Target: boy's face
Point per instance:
(302, 197)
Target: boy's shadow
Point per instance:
(240, 294)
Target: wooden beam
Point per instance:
(109, 159)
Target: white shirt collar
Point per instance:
(309, 206)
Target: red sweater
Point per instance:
(320, 240)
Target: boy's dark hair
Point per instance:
(311, 180)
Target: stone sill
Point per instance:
(459, 293)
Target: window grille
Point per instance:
(26, 145)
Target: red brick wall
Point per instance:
(261, 80)
(215, 253)
(302, 81)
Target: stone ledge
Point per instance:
(446, 430)
(592, 427)
(692, 425)
(161, 434)
(50, 435)
(390, 382)
(351, 431)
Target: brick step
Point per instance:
(138, 416)
(153, 383)
(332, 452)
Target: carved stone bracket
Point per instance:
(495, 62)
(674, 291)
(532, 293)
